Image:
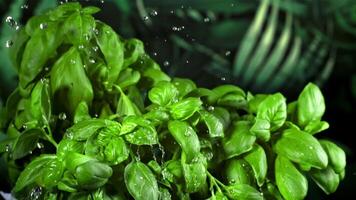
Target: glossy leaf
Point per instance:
(291, 183)
(141, 182)
(164, 93)
(257, 159)
(311, 105)
(215, 126)
(238, 171)
(302, 148)
(337, 156)
(26, 142)
(186, 138)
(243, 192)
(240, 140)
(185, 108)
(195, 173)
(326, 179)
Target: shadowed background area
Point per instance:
(261, 45)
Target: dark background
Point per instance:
(200, 40)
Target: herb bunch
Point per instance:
(94, 117)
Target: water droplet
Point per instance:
(95, 48)
(232, 181)
(187, 134)
(96, 115)
(39, 145)
(154, 53)
(172, 12)
(12, 23)
(9, 43)
(92, 60)
(310, 147)
(69, 135)
(187, 61)
(154, 13)
(25, 6)
(141, 177)
(223, 78)
(72, 61)
(62, 116)
(43, 26)
(7, 148)
(24, 126)
(84, 66)
(206, 19)
(36, 193)
(30, 152)
(145, 18)
(174, 28)
(211, 108)
(95, 31)
(166, 63)
(46, 69)
(87, 37)
(81, 46)
(102, 1)
(227, 53)
(232, 4)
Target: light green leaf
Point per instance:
(258, 161)
(185, 108)
(337, 157)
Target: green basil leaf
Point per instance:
(186, 138)
(234, 100)
(223, 115)
(258, 161)
(17, 49)
(164, 194)
(155, 75)
(112, 49)
(84, 129)
(78, 28)
(32, 171)
(337, 157)
(223, 90)
(311, 105)
(184, 86)
(185, 108)
(238, 171)
(134, 48)
(69, 82)
(218, 196)
(39, 48)
(64, 10)
(51, 174)
(272, 192)
(195, 173)
(26, 142)
(81, 113)
(243, 192)
(164, 93)
(125, 107)
(139, 131)
(215, 127)
(290, 182)
(274, 110)
(40, 102)
(255, 102)
(155, 166)
(261, 128)
(240, 140)
(69, 145)
(92, 174)
(116, 151)
(172, 171)
(68, 182)
(157, 116)
(128, 77)
(316, 127)
(90, 10)
(326, 179)
(301, 147)
(141, 182)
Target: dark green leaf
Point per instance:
(32, 171)
(185, 108)
(302, 148)
(81, 113)
(238, 171)
(141, 182)
(26, 142)
(215, 126)
(243, 192)
(186, 138)
(69, 82)
(164, 93)
(195, 173)
(125, 107)
(291, 183)
(337, 157)
(258, 161)
(240, 140)
(84, 129)
(326, 179)
(92, 174)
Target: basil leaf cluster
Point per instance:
(94, 117)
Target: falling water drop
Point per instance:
(9, 43)
(62, 116)
(36, 193)
(7, 148)
(227, 53)
(211, 108)
(206, 19)
(166, 63)
(25, 6)
(154, 13)
(223, 78)
(43, 26)
(39, 145)
(12, 23)
(145, 18)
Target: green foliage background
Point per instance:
(260, 45)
